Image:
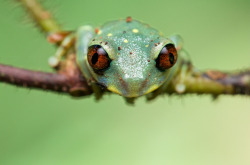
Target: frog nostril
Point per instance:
(94, 58)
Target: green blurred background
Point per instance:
(43, 128)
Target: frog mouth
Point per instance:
(135, 88)
(131, 94)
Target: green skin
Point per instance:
(132, 72)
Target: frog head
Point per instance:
(130, 58)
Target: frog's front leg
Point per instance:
(66, 43)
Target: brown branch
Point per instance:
(74, 85)
(70, 81)
(236, 82)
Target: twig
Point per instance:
(74, 85)
(41, 17)
(213, 82)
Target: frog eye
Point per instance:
(167, 57)
(98, 58)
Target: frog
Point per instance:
(127, 57)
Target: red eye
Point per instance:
(167, 57)
(98, 58)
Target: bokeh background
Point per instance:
(43, 128)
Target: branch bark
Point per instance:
(74, 85)
(208, 82)
(212, 82)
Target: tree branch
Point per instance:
(74, 85)
(235, 83)
(212, 82)
(208, 82)
(41, 17)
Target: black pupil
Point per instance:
(95, 58)
(171, 58)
